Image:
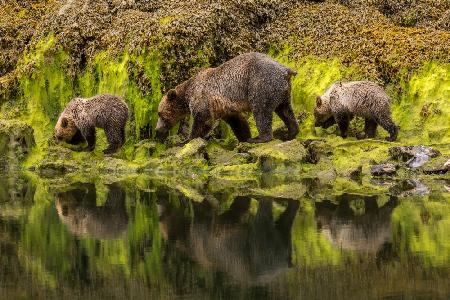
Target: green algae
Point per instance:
(134, 77)
(422, 108)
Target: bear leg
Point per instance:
(240, 127)
(286, 114)
(90, 138)
(370, 128)
(201, 126)
(343, 121)
(263, 119)
(389, 126)
(115, 137)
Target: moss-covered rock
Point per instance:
(273, 155)
(60, 160)
(437, 166)
(195, 147)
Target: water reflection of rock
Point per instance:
(356, 222)
(77, 209)
(250, 249)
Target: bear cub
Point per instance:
(249, 82)
(345, 100)
(79, 119)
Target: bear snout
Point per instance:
(162, 130)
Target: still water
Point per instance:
(168, 238)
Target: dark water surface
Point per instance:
(166, 238)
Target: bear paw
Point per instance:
(259, 139)
(108, 151)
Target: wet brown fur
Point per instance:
(345, 100)
(79, 119)
(250, 82)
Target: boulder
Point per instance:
(414, 156)
(387, 169)
(194, 147)
(440, 165)
(273, 155)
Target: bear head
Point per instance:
(171, 110)
(67, 131)
(322, 113)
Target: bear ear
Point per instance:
(171, 95)
(318, 101)
(64, 122)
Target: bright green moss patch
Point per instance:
(422, 108)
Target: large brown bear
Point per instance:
(79, 119)
(345, 100)
(249, 82)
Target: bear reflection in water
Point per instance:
(250, 249)
(356, 222)
(78, 210)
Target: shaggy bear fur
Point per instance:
(79, 119)
(249, 82)
(343, 101)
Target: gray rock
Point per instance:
(414, 156)
(387, 169)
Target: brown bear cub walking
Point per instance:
(343, 101)
(249, 82)
(79, 119)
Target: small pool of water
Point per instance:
(269, 238)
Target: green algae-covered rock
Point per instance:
(437, 166)
(219, 156)
(186, 159)
(16, 140)
(193, 148)
(60, 161)
(273, 155)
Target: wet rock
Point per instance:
(195, 146)
(387, 169)
(271, 156)
(317, 149)
(16, 140)
(414, 156)
(218, 156)
(59, 161)
(440, 165)
(356, 174)
(409, 187)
